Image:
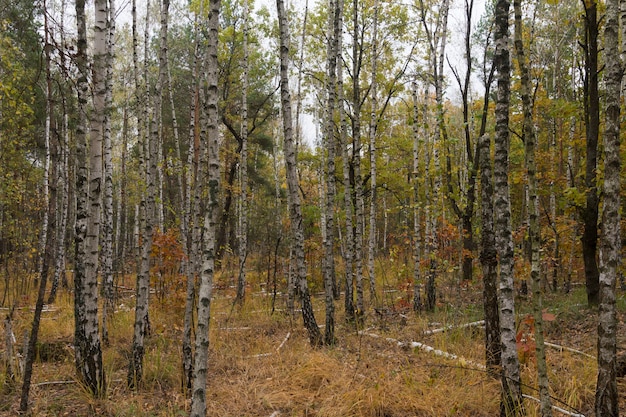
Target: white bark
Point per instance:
(530, 139)
(511, 384)
(295, 210)
(210, 135)
(107, 242)
(371, 244)
(243, 164)
(88, 353)
(607, 403)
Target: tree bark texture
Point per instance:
(87, 348)
(610, 252)
(209, 134)
(512, 393)
(329, 198)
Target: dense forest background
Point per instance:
(348, 161)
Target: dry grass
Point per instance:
(359, 376)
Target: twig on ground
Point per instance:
(461, 326)
(559, 409)
(562, 348)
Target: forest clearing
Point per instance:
(261, 364)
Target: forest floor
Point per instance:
(262, 365)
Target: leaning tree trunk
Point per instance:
(295, 210)
(49, 221)
(589, 238)
(610, 253)
(209, 134)
(87, 348)
(529, 136)
(511, 384)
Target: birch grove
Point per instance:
(164, 188)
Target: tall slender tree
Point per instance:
(329, 198)
(87, 347)
(107, 214)
(209, 134)
(295, 209)
(373, 126)
(529, 136)
(607, 403)
(243, 162)
(511, 383)
(591, 101)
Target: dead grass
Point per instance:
(359, 376)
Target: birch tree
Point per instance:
(295, 210)
(529, 137)
(135, 367)
(511, 387)
(49, 224)
(330, 146)
(210, 134)
(243, 163)
(607, 403)
(87, 347)
(193, 215)
(371, 242)
(107, 241)
(347, 186)
(437, 40)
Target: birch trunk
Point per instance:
(607, 403)
(529, 136)
(141, 326)
(107, 242)
(371, 244)
(347, 192)
(192, 214)
(511, 385)
(295, 210)
(488, 252)
(210, 135)
(243, 164)
(329, 198)
(62, 186)
(356, 162)
(88, 352)
(50, 223)
(417, 238)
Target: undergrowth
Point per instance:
(261, 363)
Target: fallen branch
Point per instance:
(559, 409)
(562, 348)
(264, 355)
(461, 326)
(430, 349)
(460, 359)
(47, 383)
